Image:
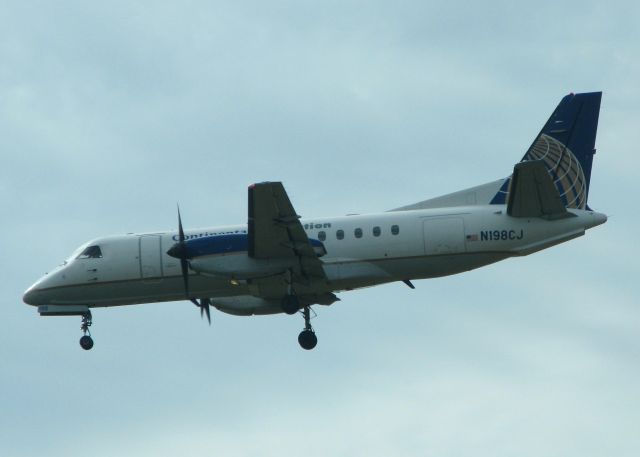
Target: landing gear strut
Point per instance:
(290, 303)
(86, 342)
(307, 337)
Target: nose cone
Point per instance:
(37, 294)
(178, 251)
(32, 296)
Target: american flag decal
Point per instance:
(473, 237)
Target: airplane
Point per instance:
(280, 263)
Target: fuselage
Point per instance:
(359, 251)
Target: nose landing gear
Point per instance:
(307, 337)
(86, 342)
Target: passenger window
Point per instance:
(92, 252)
(358, 233)
(340, 234)
(322, 235)
(376, 231)
(395, 229)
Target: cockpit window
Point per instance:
(92, 252)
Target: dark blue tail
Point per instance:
(566, 145)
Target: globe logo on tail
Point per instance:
(563, 167)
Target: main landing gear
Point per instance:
(86, 342)
(290, 304)
(307, 337)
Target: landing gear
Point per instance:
(86, 342)
(307, 337)
(290, 304)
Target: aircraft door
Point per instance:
(151, 257)
(443, 235)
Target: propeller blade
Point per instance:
(179, 250)
(180, 230)
(185, 275)
(205, 303)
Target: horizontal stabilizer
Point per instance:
(533, 194)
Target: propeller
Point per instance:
(179, 251)
(204, 305)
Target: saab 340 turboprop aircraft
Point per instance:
(278, 262)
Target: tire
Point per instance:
(307, 339)
(86, 342)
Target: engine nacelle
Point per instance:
(240, 266)
(246, 305)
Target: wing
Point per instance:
(275, 231)
(533, 194)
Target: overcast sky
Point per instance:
(111, 112)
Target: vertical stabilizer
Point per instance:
(566, 145)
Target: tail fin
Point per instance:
(566, 147)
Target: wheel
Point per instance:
(307, 339)
(86, 342)
(290, 304)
